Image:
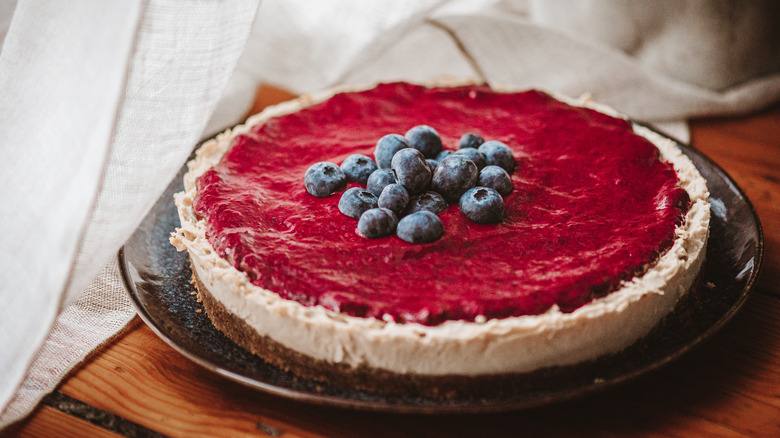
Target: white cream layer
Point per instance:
(510, 345)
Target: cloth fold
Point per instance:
(96, 316)
(55, 133)
(103, 102)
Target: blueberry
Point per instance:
(428, 201)
(470, 140)
(378, 180)
(323, 179)
(443, 154)
(387, 146)
(377, 222)
(454, 175)
(498, 154)
(355, 201)
(495, 178)
(474, 155)
(357, 168)
(394, 197)
(432, 164)
(482, 205)
(411, 170)
(420, 227)
(425, 139)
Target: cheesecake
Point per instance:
(603, 232)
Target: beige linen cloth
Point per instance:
(101, 103)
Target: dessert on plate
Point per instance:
(595, 227)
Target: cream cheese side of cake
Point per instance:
(510, 345)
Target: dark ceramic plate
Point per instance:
(158, 280)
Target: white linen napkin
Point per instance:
(102, 102)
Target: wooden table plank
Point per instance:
(728, 387)
(141, 375)
(48, 422)
(760, 127)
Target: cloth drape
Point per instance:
(101, 103)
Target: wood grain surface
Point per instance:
(728, 387)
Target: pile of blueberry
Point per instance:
(415, 179)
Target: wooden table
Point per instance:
(139, 386)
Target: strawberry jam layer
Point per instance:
(592, 206)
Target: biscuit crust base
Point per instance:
(362, 378)
(381, 381)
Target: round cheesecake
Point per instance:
(604, 231)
